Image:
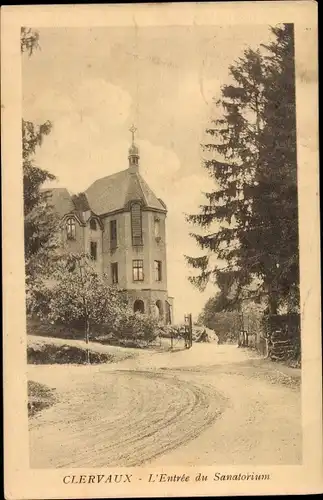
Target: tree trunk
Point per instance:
(273, 307)
(272, 299)
(87, 338)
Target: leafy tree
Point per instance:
(251, 156)
(40, 222)
(225, 324)
(76, 296)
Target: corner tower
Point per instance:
(146, 250)
(134, 236)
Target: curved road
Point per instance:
(171, 408)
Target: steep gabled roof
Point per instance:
(116, 191)
(64, 203)
(109, 194)
(61, 200)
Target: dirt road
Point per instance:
(212, 404)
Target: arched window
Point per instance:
(139, 306)
(136, 224)
(93, 224)
(70, 229)
(159, 305)
(168, 313)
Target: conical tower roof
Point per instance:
(116, 192)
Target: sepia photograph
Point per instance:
(160, 229)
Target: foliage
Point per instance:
(287, 324)
(251, 155)
(40, 397)
(134, 325)
(252, 316)
(171, 331)
(40, 222)
(52, 354)
(78, 297)
(34, 177)
(225, 324)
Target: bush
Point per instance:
(48, 354)
(170, 331)
(132, 328)
(40, 397)
(76, 296)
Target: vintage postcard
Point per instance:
(161, 250)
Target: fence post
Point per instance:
(190, 326)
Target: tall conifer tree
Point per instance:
(252, 157)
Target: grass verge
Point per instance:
(51, 351)
(40, 397)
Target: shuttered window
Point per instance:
(136, 224)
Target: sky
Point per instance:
(92, 84)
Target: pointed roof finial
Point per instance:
(133, 129)
(133, 150)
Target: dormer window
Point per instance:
(71, 229)
(93, 224)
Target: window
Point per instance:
(93, 224)
(94, 250)
(70, 229)
(139, 306)
(158, 270)
(114, 272)
(138, 270)
(136, 224)
(157, 228)
(113, 233)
